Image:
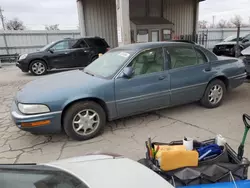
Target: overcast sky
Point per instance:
(37, 13)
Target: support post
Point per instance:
(123, 22)
(81, 18)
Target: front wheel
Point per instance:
(214, 94)
(38, 68)
(84, 120)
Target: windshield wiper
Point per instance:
(89, 73)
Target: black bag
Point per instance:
(224, 168)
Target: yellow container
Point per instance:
(171, 160)
(164, 148)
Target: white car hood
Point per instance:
(98, 171)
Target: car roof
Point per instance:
(142, 46)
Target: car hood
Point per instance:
(59, 87)
(111, 172)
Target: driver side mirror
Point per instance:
(245, 40)
(128, 72)
(51, 50)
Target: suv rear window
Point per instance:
(97, 42)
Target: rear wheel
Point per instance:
(84, 120)
(214, 94)
(38, 67)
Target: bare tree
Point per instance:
(15, 24)
(52, 27)
(237, 20)
(222, 24)
(203, 24)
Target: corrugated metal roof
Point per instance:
(150, 21)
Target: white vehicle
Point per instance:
(90, 171)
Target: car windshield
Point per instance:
(34, 176)
(108, 64)
(47, 46)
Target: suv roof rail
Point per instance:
(186, 41)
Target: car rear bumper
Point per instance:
(237, 80)
(53, 119)
(23, 65)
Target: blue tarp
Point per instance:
(239, 184)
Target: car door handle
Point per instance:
(162, 77)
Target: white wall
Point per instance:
(29, 41)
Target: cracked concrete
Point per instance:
(125, 136)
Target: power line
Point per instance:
(2, 18)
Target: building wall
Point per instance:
(100, 19)
(181, 13)
(100, 16)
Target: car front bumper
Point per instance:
(54, 119)
(23, 65)
(247, 64)
(224, 51)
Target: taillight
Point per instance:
(107, 49)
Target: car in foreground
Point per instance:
(228, 46)
(128, 80)
(63, 54)
(90, 171)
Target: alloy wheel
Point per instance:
(86, 122)
(215, 94)
(38, 68)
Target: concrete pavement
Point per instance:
(126, 136)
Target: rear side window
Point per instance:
(182, 57)
(97, 42)
(74, 44)
(201, 58)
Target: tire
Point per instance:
(38, 68)
(215, 85)
(87, 128)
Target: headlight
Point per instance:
(23, 56)
(33, 108)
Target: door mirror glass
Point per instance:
(128, 72)
(51, 50)
(245, 40)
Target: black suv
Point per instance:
(66, 53)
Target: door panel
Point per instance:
(81, 53)
(148, 89)
(189, 74)
(61, 59)
(142, 93)
(60, 55)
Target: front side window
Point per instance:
(148, 62)
(63, 45)
(182, 57)
(109, 63)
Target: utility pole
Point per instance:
(2, 18)
(213, 21)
